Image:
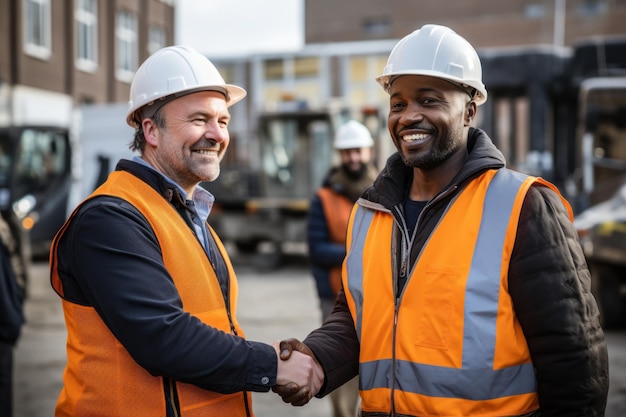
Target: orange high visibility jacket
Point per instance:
(337, 209)
(450, 343)
(101, 378)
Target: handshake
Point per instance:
(299, 375)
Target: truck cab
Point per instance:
(35, 179)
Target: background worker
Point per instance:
(12, 294)
(465, 290)
(326, 230)
(149, 293)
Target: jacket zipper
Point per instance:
(234, 332)
(172, 398)
(407, 244)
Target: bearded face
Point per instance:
(428, 118)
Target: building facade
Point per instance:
(58, 54)
(485, 23)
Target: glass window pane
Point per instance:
(86, 16)
(127, 49)
(37, 34)
(274, 69)
(306, 67)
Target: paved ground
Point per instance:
(271, 306)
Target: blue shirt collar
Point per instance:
(202, 199)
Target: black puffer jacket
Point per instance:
(549, 284)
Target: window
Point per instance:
(37, 28)
(42, 158)
(535, 11)
(306, 67)
(156, 39)
(296, 153)
(377, 27)
(126, 46)
(274, 69)
(592, 7)
(86, 16)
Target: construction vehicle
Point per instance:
(602, 226)
(35, 180)
(263, 211)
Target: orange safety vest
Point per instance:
(451, 345)
(337, 210)
(101, 378)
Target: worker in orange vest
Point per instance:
(149, 293)
(465, 291)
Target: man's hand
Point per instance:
(299, 377)
(289, 345)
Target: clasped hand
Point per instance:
(299, 376)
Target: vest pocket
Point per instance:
(432, 291)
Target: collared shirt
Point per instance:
(201, 201)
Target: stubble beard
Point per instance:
(438, 153)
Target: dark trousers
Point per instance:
(6, 379)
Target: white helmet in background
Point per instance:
(173, 72)
(436, 51)
(353, 135)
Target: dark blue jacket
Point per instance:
(110, 258)
(11, 298)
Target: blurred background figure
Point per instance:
(328, 219)
(12, 285)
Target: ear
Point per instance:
(470, 113)
(150, 131)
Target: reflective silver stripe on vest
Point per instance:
(354, 262)
(476, 380)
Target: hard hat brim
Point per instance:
(481, 92)
(232, 93)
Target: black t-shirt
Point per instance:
(412, 210)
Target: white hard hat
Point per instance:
(353, 135)
(436, 51)
(173, 72)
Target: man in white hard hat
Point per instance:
(148, 291)
(465, 290)
(326, 230)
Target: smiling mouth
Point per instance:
(205, 152)
(415, 137)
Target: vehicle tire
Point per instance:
(268, 257)
(247, 247)
(606, 287)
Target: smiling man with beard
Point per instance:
(465, 291)
(148, 291)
